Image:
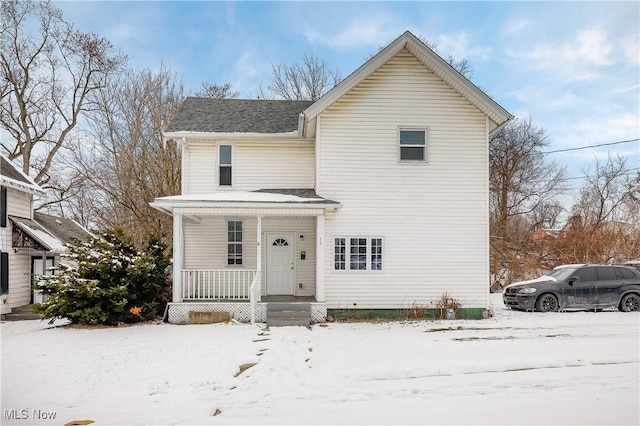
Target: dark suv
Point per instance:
(578, 287)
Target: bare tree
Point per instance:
(212, 90)
(46, 78)
(124, 163)
(303, 81)
(520, 179)
(607, 191)
(522, 189)
(604, 224)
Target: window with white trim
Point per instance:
(413, 144)
(225, 162)
(340, 254)
(234, 242)
(357, 254)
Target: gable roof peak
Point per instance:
(430, 59)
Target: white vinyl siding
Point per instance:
(434, 218)
(18, 205)
(257, 164)
(202, 176)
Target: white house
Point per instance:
(30, 242)
(374, 197)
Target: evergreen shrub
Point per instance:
(109, 282)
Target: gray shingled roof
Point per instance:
(302, 193)
(9, 170)
(66, 230)
(237, 116)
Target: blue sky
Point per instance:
(572, 67)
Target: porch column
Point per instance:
(259, 251)
(320, 244)
(178, 257)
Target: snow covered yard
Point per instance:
(515, 368)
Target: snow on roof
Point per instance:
(38, 233)
(243, 196)
(277, 196)
(12, 176)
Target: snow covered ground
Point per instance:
(515, 368)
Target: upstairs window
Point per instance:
(413, 144)
(225, 161)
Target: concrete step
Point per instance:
(288, 322)
(20, 317)
(288, 314)
(21, 313)
(291, 307)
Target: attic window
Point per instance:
(225, 160)
(413, 144)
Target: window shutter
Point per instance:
(3, 207)
(4, 272)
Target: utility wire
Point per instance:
(590, 146)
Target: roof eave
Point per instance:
(21, 186)
(168, 206)
(295, 134)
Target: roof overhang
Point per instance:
(31, 235)
(231, 136)
(20, 186)
(497, 115)
(253, 202)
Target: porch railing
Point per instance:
(254, 295)
(217, 284)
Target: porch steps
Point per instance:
(288, 314)
(21, 313)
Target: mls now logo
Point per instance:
(24, 414)
(16, 414)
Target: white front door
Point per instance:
(280, 264)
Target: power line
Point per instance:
(627, 172)
(590, 146)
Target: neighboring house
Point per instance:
(374, 197)
(30, 242)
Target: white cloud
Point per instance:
(588, 47)
(513, 27)
(460, 45)
(369, 31)
(631, 47)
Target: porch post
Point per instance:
(320, 244)
(177, 257)
(259, 251)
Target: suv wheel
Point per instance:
(630, 302)
(547, 303)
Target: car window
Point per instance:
(624, 273)
(606, 273)
(561, 274)
(585, 274)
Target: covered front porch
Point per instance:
(234, 255)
